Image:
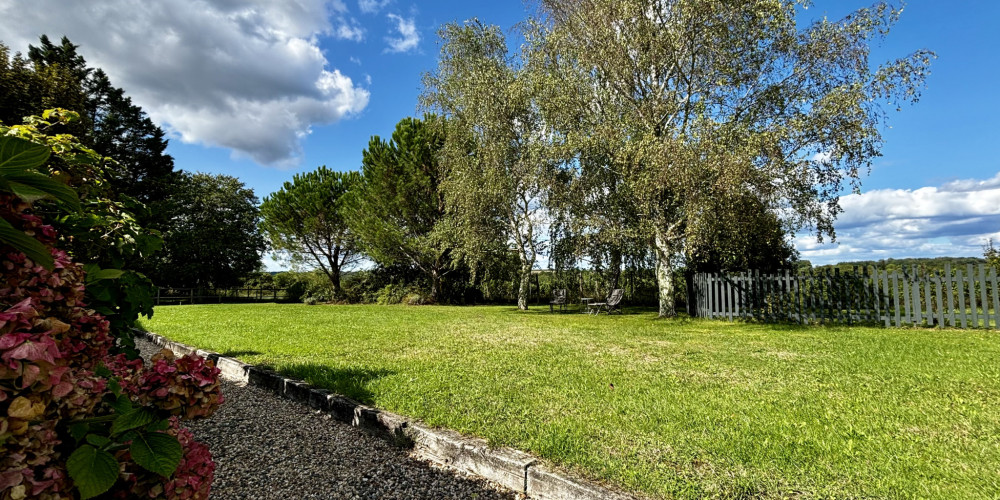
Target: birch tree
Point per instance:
(701, 99)
(496, 184)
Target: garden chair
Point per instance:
(613, 303)
(558, 299)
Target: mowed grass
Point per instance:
(664, 408)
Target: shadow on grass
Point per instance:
(236, 354)
(350, 382)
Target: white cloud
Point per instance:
(972, 184)
(409, 37)
(372, 6)
(954, 219)
(349, 30)
(242, 74)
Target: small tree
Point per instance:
(397, 211)
(992, 255)
(212, 238)
(304, 220)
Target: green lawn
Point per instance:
(668, 408)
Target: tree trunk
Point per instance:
(525, 287)
(435, 285)
(664, 275)
(616, 267)
(335, 279)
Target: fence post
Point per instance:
(983, 289)
(940, 301)
(711, 295)
(960, 282)
(948, 291)
(973, 301)
(885, 286)
(996, 299)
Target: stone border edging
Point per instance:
(513, 469)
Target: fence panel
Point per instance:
(956, 298)
(169, 296)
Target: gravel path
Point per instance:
(267, 447)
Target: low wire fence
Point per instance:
(952, 298)
(169, 296)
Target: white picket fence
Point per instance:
(952, 298)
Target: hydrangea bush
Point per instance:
(77, 420)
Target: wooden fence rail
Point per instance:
(165, 296)
(959, 298)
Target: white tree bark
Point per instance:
(525, 286)
(664, 275)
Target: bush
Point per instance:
(76, 420)
(307, 284)
(73, 413)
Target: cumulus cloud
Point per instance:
(408, 38)
(372, 6)
(242, 74)
(953, 219)
(349, 30)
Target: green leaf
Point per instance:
(115, 387)
(93, 471)
(133, 420)
(157, 452)
(79, 430)
(109, 274)
(95, 273)
(18, 155)
(122, 405)
(102, 370)
(162, 425)
(31, 247)
(46, 185)
(98, 440)
(27, 193)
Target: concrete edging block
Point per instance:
(513, 469)
(546, 484)
(505, 466)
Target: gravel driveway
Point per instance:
(267, 447)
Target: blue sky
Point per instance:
(264, 89)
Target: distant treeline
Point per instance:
(923, 265)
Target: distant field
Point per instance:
(671, 409)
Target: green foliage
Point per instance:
(115, 127)
(992, 255)
(156, 452)
(104, 119)
(922, 264)
(304, 220)
(692, 102)
(747, 237)
(27, 89)
(93, 470)
(95, 228)
(301, 285)
(20, 161)
(212, 238)
(397, 210)
(497, 183)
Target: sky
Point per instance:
(264, 89)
